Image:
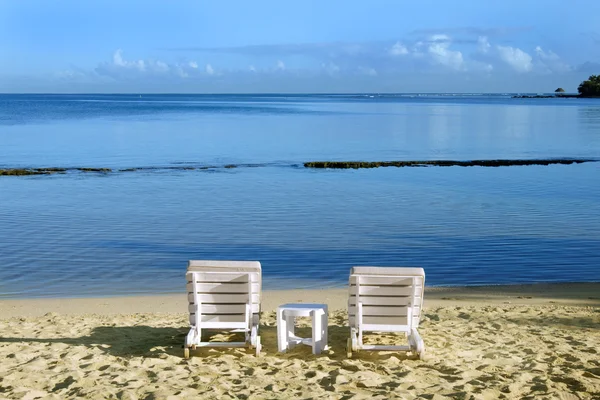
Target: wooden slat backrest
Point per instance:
(222, 295)
(214, 266)
(385, 298)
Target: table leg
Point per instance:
(325, 326)
(281, 332)
(290, 331)
(317, 330)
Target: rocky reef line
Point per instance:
(55, 170)
(310, 164)
(444, 163)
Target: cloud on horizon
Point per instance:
(406, 62)
(435, 53)
(516, 58)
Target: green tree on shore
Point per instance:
(559, 90)
(591, 87)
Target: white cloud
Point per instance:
(519, 60)
(439, 50)
(121, 67)
(483, 44)
(430, 55)
(120, 62)
(475, 51)
(549, 55)
(398, 49)
(118, 58)
(184, 70)
(549, 61)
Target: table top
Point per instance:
(303, 306)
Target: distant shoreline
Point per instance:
(553, 96)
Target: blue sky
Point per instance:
(297, 46)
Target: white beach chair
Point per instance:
(223, 295)
(385, 299)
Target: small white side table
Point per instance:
(286, 314)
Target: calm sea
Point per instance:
(90, 234)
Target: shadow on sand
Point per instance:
(156, 342)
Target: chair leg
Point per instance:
(258, 347)
(354, 338)
(253, 336)
(417, 342)
(349, 348)
(192, 338)
(411, 342)
(360, 339)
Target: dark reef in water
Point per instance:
(103, 170)
(31, 171)
(311, 164)
(48, 171)
(441, 163)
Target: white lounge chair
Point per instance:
(385, 299)
(223, 295)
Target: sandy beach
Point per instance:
(526, 341)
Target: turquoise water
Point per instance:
(83, 234)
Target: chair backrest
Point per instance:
(386, 293)
(223, 288)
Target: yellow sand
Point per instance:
(482, 343)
